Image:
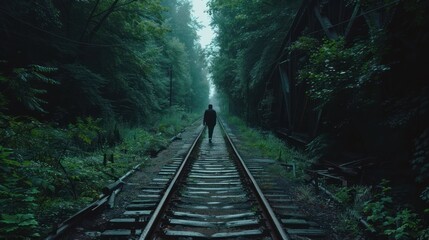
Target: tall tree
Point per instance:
(249, 34)
(194, 90)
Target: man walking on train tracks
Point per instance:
(210, 120)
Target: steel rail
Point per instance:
(153, 221)
(274, 223)
(92, 207)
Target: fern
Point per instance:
(21, 86)
(16, 198)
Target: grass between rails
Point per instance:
(266, 144)
(48, 173)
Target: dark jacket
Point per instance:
(209, 117)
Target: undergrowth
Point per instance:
(48, 173)
(375, 206)
(384, 216)
(269, 146)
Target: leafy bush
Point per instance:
(344, 194)
(348, 225)
(17, 198)
(25, 85)
(139, 142)
(53, 172)
(174, 121)
(85, 132)
(334, 69)
(390, 220)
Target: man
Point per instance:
(210, 120)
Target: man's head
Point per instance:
(210, 106)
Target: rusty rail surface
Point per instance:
(273, 224)
(268, 212)
(173, 185)
(90, 209)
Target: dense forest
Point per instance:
(109, 59)
(89, 88)
(74, 76)
(344, 80)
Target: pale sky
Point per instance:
(206, 33)
(200, 12)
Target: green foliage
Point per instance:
(17, 198)
(390, 220)
(404, 224)
(16, 223)
(85, 131)
(249, 37)
(31, 139)
(343, 194)
(113, 59)
(424, 234)
(47, 176)
(88, 175)
(348, 225)
(35, 172)
(186, 58)
(334, 69)
(173, 122)
(53, 210)
(25, 85)
(268, 145)
(139, 142)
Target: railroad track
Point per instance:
(212, 193)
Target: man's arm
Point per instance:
(205, 118)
